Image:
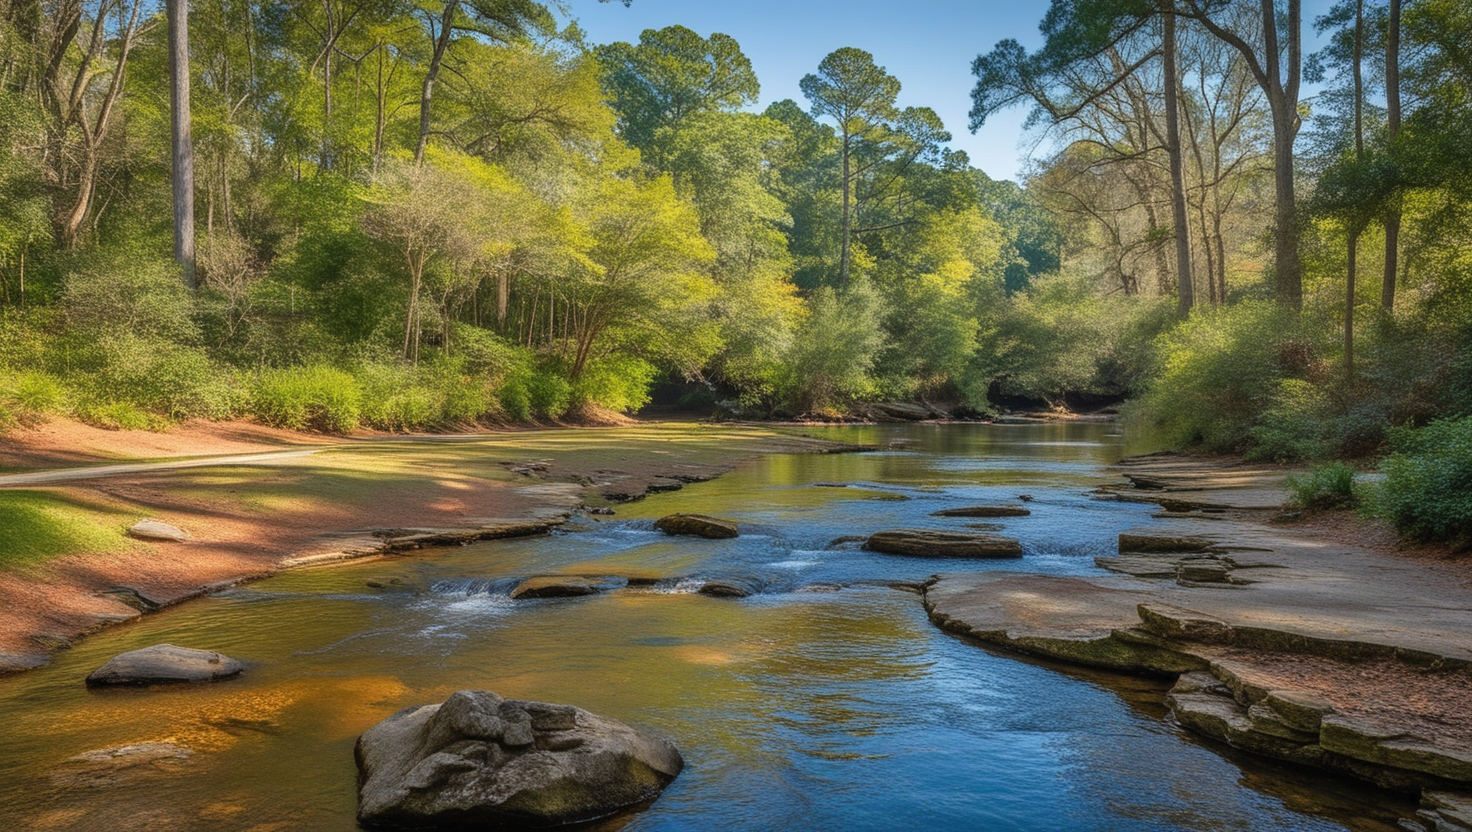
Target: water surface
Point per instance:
(826, 702)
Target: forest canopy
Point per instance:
(416, 215)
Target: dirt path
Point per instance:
(67, 565)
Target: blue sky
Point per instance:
(927, 44)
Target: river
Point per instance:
(826, 702)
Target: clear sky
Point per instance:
(927, 44)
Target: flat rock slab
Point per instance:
(483, 762)
(697, 525)
(560, 586)
(158, 530)
(983, 511)
(165, 664)
(927, 543)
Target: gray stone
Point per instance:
(926, 543)
(697, 525)
(163, 664)
(1161, 543)
(983, 511)
(158, 530)
(446, 766)
(730, 587)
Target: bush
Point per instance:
(1219, 371)
(834, 353)
(1324, 487)
(1427, 492)
(168, 379)
(308, 398)
(26, 397)
(530, 394)
(617, 383)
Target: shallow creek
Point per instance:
(799, 708)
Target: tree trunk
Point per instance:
(1349, 278)
(436, 59)
(1185, 285)
(847, 216)
(1392, 116)
(182, 141)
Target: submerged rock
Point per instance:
(983, 511)
(158, 530)
(697, 525)
(163, 664)
(480, 761)
(122, 764)
(559, 586)
(730, 587)
(926, 543)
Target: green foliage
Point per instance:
(530, 394)
(1427, 491)
(316, 398)
(617, 383)
(1217, 372)
(833, 356)
(1323, 487)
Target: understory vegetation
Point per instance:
(403, 216)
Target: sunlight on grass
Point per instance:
(36, 526)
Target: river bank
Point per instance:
(255, 501)
(1313, 642)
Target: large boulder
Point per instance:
(480, 761)
(164, 664)
(697, 525)
(926, 543)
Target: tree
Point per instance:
(181, 142)
(672, 74)
(859, 96)
(1393, 119)
(497, 20)
(1264, 50)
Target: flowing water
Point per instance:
(826, 702)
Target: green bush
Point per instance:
(1218, 372)
(26, 397)
(617, 383)
(115, 415)
(308, 398)
(1427, 492)
(1323, 487)
(172, 380)
(535, 394)
(833, 356)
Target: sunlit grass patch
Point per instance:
(36, 526)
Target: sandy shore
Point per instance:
(256, 500)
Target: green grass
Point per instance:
(36, 526)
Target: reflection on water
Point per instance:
(826, 702)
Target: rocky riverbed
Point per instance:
(1284, 644)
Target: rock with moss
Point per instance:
(480, 761)
(697, 525)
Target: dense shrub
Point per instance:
(26, 397)
(1324, 486)
(1217, 372)
(530, 394)
(832, 357)
(617, 383)
(1427, 492)
(307, 398)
